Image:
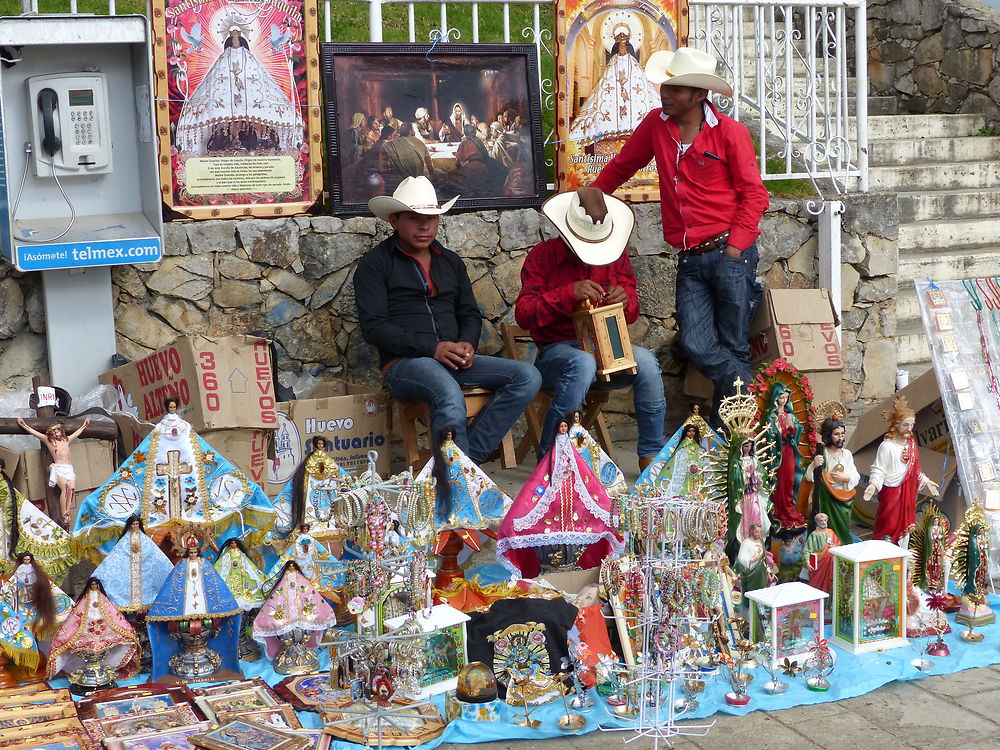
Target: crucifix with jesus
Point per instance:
(173, 470)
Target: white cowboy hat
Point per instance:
(686, 67)
(421, 111)
(594, 244)
(413, 194)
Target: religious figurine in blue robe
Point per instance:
(194, 622)
(134, 570)
(309, 496)
(676, 467)
(173, 479)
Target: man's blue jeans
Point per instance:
(425, 379)
(717, 297)
(569, 372)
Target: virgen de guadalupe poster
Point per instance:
(603, 93)
(238, 122)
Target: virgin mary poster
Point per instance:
(237, 107)
(604, 94)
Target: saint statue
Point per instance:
(754, 565)
(751, 503)
(623, 95)
(95, 631)
(819, 546)
(318, 562)
(24, 528)
(676, 468)
(561, 518)
(970, 554)
(172, 480)
(135, 570)
(897, 477)
(599, 462)
(33, 598)
(238, 104)
(194, 622)
(310, 495)
(785, 431)
(61, 471)
(291, 622)
(835, 478)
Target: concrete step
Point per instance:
(965, 263)
(799, 83)
(932, 236)
(955, 204)
(921, 126)
(941, 176)
(884, 152)
(912, 345)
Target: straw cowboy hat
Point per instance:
(413, 194)
(686, 67)
(596, 244)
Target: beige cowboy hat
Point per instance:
(415, 194)
(596, 244)
(686, 67)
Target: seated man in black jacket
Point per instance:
(415, 304)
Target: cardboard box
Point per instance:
(93, 462)
(247, 449)
(353, 418)
(222, 383)
(799, 325)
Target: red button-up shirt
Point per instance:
(546, 300)
(713, 187)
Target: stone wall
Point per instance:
(292, 279)
(936, 55)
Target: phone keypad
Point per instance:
(84, 126)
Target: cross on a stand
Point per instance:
(173, 469)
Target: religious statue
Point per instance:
(95, 645)
(929, 550)
(317, 561)
(465, 498)
(754, 565)
(834, 478)
(740, 471)
(246, 583)
(291, 622)
(24, 528)
(597, 459)
(970, 555)
(819, 544)
(61, 470)
(173, 479)
(561, 518)
(897, 477)
(695, 419)
(135, 570)
(785, 431)
(676, 468)
(194, 622)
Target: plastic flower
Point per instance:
(789, 668)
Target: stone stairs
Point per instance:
(946, 177)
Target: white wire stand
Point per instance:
(660, 673)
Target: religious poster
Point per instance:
(467, 117)
(603, 92)
(237, 90)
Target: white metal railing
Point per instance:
(790, 63)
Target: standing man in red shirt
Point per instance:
(711, 199)
(586, 262)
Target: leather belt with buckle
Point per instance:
(707, 246)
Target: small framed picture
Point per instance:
(245, 735)
(943, 322)
(241, 700)
(34, 699)
(991, 499)
(986, 471)
(936, 298)
(959, 380)
(305, 692)
(151, 722)
(966, 401)
(110, 704)
(279, 717)
(36, 714)
(60, 734)
(317, 737)
(172, 739)
(239, 685)
(949, 343)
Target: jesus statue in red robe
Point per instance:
(897, 477)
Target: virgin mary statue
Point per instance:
(238, 104)
(622, 97)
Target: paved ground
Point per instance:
(960, 710)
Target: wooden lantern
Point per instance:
(603, 332)
(791, 616)
(869, 596)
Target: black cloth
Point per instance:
(556, 615)
(396, 310)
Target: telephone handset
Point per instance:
(70, 124)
